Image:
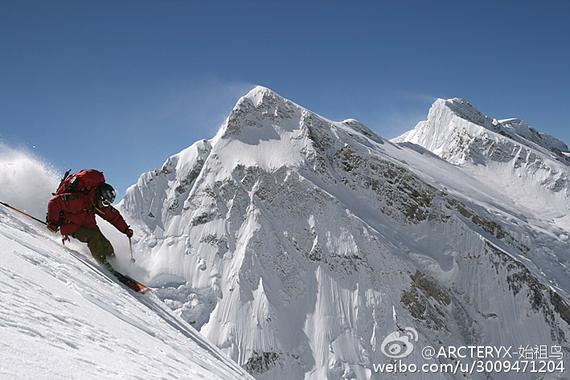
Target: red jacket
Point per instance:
(70, 211)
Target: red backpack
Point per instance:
(83, 181)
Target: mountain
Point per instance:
(297, 244)
(533, 167)
(61, 317)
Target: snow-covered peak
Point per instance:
(448, 117)
(461, 108)
(264, 115)
(444, 119)
(529, 165)
(296, 238)
(258, 94)
(256, 114)
(260, 98)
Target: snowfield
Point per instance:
(62, 317)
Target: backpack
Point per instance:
(83, 181)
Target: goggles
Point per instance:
(108, 197)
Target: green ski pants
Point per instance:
(98, 244)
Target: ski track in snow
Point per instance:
(61, 316)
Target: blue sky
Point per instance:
(121, 85)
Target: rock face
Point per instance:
(296, 244)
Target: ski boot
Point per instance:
(107, 265)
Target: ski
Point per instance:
(131, 283)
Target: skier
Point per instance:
(73, 208)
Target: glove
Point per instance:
(129, 233)
(53, 228)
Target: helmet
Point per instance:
(106, 194)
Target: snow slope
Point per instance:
(61, 317)
(296, 244)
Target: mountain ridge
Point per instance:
(506, 153)
(513, 128)
(312, 233)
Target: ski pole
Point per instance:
(23, 213)
(131, 249)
